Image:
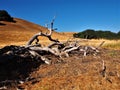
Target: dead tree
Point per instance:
(103, 72)
(57, 48)
(48, 35)
(35, 37)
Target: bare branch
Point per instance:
(54, 44)
(41, 57)
(85, 51)
(103, 72)
(38, 49)
(35, 37)
(100, 44)
(71, 49)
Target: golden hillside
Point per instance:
(21, 31)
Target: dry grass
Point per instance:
(109, 44)
(80, 73)
(20, 32)
(113, 44)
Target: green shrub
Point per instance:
(4, 16)
(92, 34)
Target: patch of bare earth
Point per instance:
(77, 73)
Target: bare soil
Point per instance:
(73, 73)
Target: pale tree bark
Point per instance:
(35, 37)
(56, 48)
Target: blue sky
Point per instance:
(71, 15)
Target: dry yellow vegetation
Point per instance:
(20, 32)
(110, 44)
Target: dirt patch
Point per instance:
(73, 73)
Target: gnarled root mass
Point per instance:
(20, 61)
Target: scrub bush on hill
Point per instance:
(92, 34)
(4, 16)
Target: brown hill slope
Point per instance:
(20, 32)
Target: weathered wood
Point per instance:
(100, 44)
(38, 49)
(103, 72)
(71, 49)
(85, 51)
(56, 48)
(55, 44)
(35, 37)
(41, 57)
(48, 35)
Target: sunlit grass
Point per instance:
(21, 38)
(113, 44)
(110, 44)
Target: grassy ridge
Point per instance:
(110, 44)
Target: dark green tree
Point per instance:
(4, 16)
(92, 34)
(87, 34)
(118, 33)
